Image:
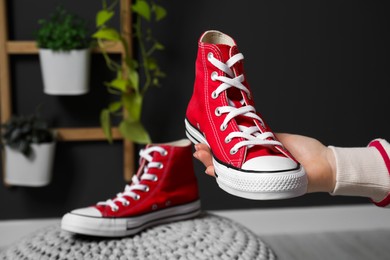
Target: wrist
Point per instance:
(332, 169)
(322, 172)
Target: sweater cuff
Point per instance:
(361, 172)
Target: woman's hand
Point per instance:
(317, 160)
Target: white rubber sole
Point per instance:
(120, 227)
(254, 185)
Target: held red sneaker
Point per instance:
(164, 189)
(249, 161)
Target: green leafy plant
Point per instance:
(127, 83)
(19, 132)
(63, 31)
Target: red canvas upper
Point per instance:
(176, 184)
(201, 108)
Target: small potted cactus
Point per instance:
(29, 151)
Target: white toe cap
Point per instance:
(269, 163)
(89, 211)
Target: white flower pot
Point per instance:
(35, 170)
(65, 72)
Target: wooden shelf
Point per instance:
(30, 47)
(86, 134)
(9, 47)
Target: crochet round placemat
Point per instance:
(206, 237)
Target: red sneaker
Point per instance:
(164, 189)
(249, 161)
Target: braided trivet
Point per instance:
(206, 237)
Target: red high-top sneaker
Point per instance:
(249, 161)
(164, 189)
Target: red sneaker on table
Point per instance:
(249, 161)
(164, 189)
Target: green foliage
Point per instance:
(63, 31)
(127, 85)
(22, 131)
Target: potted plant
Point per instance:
(64, 53)
(29, 151)
(133, 77)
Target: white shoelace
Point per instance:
(252, 135)
(135, 181)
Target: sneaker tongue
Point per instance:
(238, 68)
(225, 51)
(141, 167)
(235, 98)
(234, 94)
(142, 164)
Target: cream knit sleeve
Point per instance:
(364, 171)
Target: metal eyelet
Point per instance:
(227, 140)
(233, 151)
(214, 95)
(164, 153)
(155, 178)
(160, 165)
(210, 55)
(126, 203)
(146, 189)
(214, 75)
(217, 112)
(115, 209)
(223, 127)
(137, 197)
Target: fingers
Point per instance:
(210, 171)
(203, 154)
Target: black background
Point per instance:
(317, 68)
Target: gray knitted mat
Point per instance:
(205, 237)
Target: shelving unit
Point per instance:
(9, 47)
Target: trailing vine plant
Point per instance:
(127, 85)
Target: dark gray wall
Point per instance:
(317, 68)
